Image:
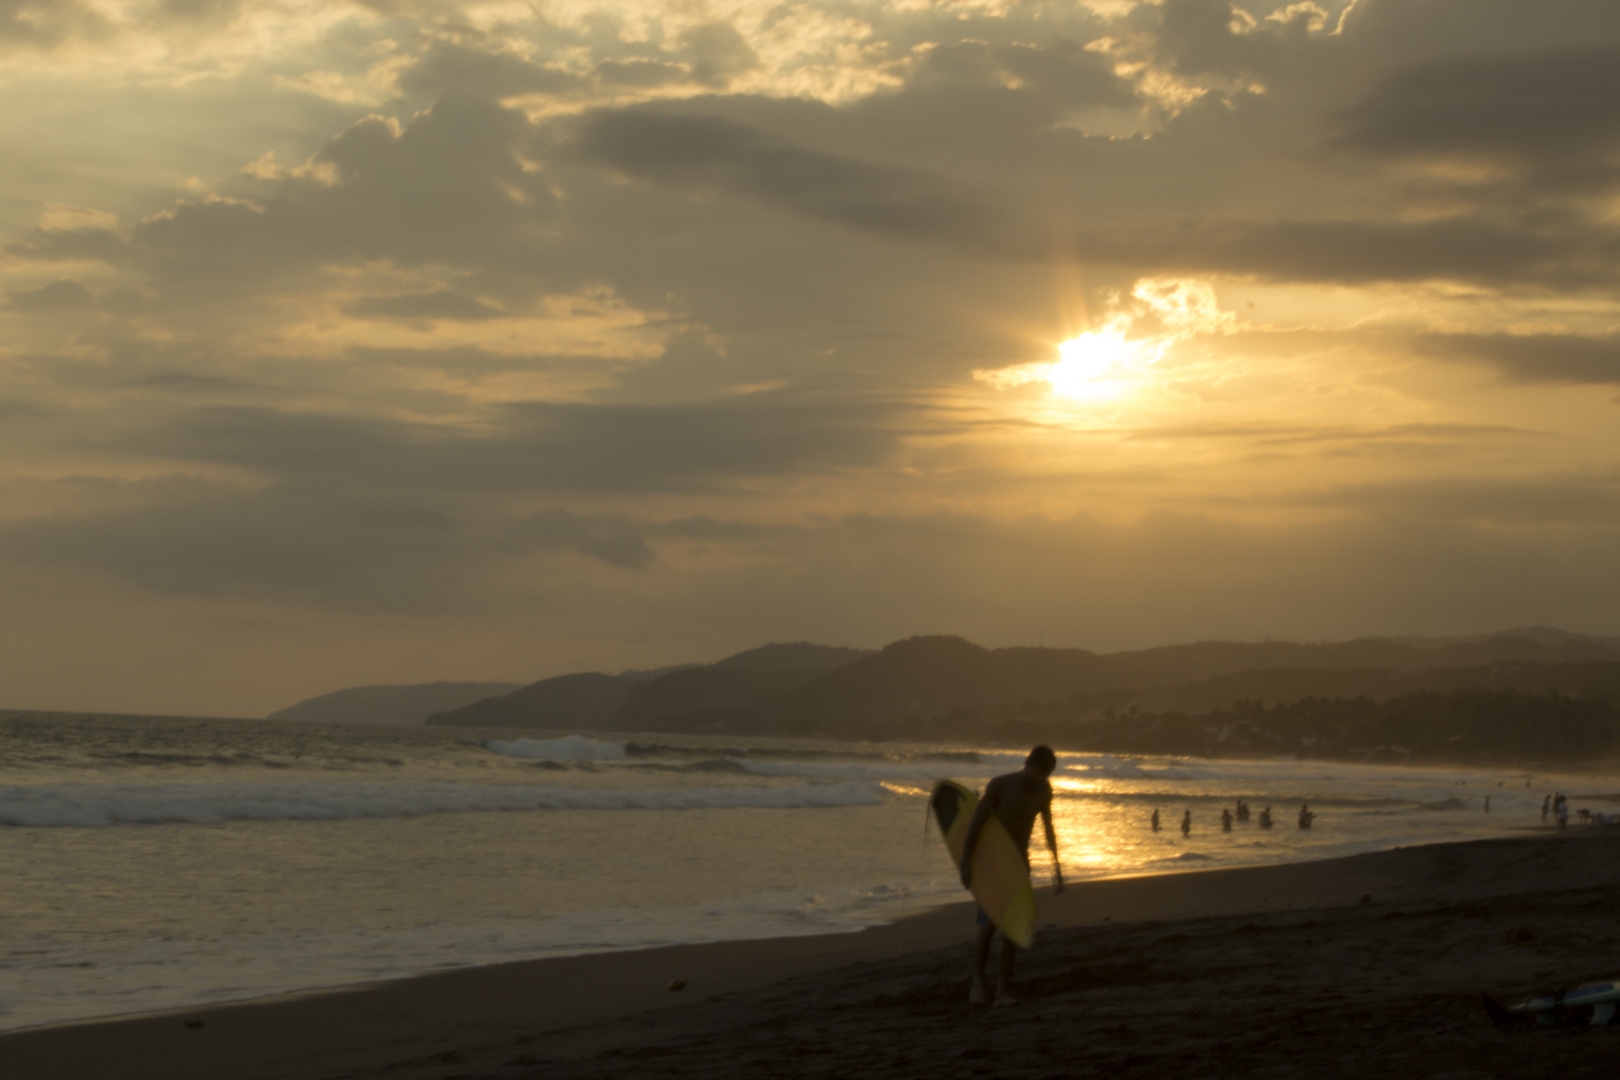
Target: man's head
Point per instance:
(1041, 760)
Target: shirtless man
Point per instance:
(1016, 799)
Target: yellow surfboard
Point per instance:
(1000, 874)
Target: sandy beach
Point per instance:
(1312, 969)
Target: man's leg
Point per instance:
(1009, 956)
(981, 960)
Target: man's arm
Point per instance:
(1051, 845)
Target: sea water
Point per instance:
(158, 863)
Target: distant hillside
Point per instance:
(1541, 635)
(390, 704)
(647, 700)
(946, 688)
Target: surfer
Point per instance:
(1265, 818)
(1305, 816)
(1226, 820)
(1186, 823)
(1155, 821)
(1016, 799)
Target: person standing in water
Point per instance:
(1016, 799)
(1186, 823)
(1155, 821)
(1305, 816)
(1265, 818)
(1226, 820)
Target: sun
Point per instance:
(1088, 363)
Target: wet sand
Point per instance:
(1367, 965)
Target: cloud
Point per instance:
(450, 187)
(308, 542)
(1548, 117)
(448, 65)
(1476, 248)
(604, 537)
(702, 153)
(53, 297)
(544, 446)
(45, 24)
(438, 304)
(1536, 358)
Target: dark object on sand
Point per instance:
(676, 985)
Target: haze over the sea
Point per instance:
(378, 342)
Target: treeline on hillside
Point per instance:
(1468, 726)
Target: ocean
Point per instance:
(169, 863)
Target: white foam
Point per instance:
(568, 748)
(82, 805)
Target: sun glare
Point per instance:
(1086, 364)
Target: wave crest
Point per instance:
(90, 805)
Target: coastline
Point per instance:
(577, 1002)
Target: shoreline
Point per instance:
(317, 1033)
(902, 912)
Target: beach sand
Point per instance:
(1366, 966)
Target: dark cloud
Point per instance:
(1203, 37)
(1552, 116)
(1040, 80)
(449, 65)
(604, 537)
(717, 53)
(1542, 501)
(545, 446)
(639, 73)
(52, 297)
(296, 541)
(451, 187)
(48, 23)
(1544, 358)
(707, 154)
(439, 304)
(1475, 249)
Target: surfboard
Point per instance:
(1000, 875)
(1551, 1009)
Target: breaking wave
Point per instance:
(568, 748)
(83, 805)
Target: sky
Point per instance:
(349, 342)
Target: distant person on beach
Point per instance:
(1561, 810)
(1016, 799)
(1186, 823)
(1265, 818)
(1305, 816)
(1546, 807)
(1226, 820)
(1155, 821)
(1487, 804)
